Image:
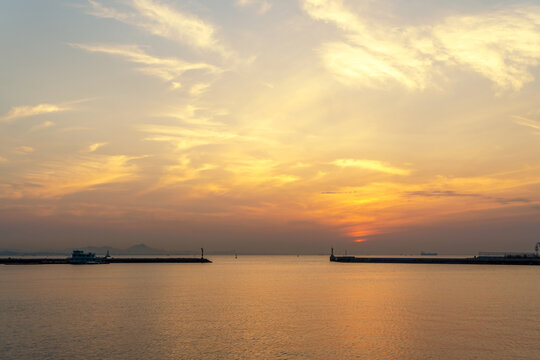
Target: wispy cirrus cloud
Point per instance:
(166, 68)
(99, 10)
(18, 112)
(453, 194)
(24, 150)
(501, 46)
(262, 6)
(58, 178)
(440, 193)
(373, 165)
(185, 138)
(506, 201)
(199, 89)
(530, 123)
(165, 21)
(43, 125)
(183, 170)
(94, 147)
(194, 115)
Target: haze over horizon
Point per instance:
(269, 126)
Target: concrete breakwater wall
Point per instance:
(45, 261)
(436, 260)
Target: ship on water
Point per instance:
(79, 257)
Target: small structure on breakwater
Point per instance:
(481, 259)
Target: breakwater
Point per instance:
(46, 261)
(157, 260)
(436, 260)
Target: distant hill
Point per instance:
(143, 249)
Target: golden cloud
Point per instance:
(371, 165)
(56, 179)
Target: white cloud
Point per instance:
(262, 5)
(199, 89)
(501, 46)
(97, 9)
(533, 124)
(43, 125)
(168, 69)
(18, 112)
(184, 138)
(165, 21)
(96, 146)
(24, 150)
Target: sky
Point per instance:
(267, 126)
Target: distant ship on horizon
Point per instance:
(423, 253)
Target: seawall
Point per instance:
(45, 261)
(437, 260)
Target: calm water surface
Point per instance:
(269, 307)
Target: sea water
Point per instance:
(269, 307)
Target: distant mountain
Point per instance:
(143, 249)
